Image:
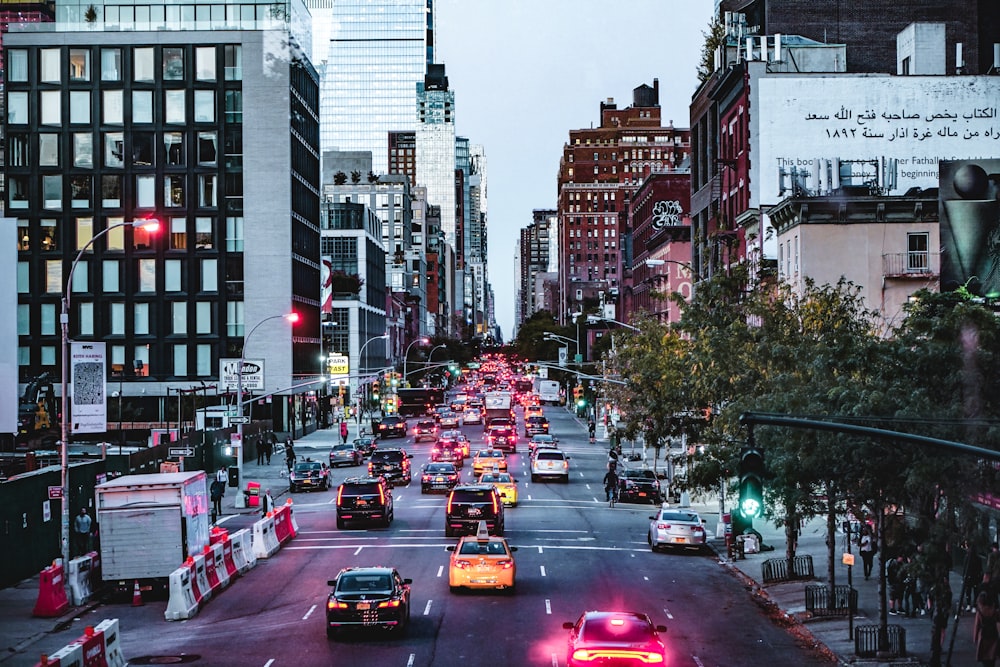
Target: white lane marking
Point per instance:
(309, 613)
(410, 662)
(440, 569)
(269, 663)
(669, 615)
(697, 661)
(540, 549)
(548, 607)
(645, 578)
(543, 570)
(581, 474)
(596, 500)
(587, 485)
(427, 609)
(555, 660)
(333, 501)
(226, 518)
(358, 550)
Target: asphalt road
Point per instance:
(574, 554)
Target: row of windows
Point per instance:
(609, 232)
(179, 359)
(593, 257)
(58, 192)
(176, 149)
(57, 65)
(176, 107)
(182, 233)
(591, 245)
(114, 319)
(147, 280)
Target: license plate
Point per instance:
(642, 494)
(680, 539)
(439, 479)
(362, 503)
(364, 605)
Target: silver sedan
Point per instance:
(676, 528)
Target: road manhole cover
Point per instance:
(164, 659)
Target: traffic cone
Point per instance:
(137, 595)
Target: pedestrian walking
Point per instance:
(866, 545)
(269, 449)
(261, 448)
(217, 491)
(991, 579)
(985, 631)
(221, 475)
(266, 503)
(82, 525)
(343, 431)
(289, 454)
(894, 574)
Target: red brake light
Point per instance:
(381, 495)
(389, 603)
(333, 604)
(340, 493)
(450, 496)
(495, 510)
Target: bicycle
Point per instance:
(612, 496)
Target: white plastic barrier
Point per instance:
(265, 542)
(201, 575)
(182, 603)
(243, 553)
(68, 656)
(112, 643)
(220, 565)
(78, 578)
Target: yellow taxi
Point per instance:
(481, 561)
(489, 459)
(533, 411)
(505, 483)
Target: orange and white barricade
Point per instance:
(221, 574)
(93, 648)
(52, 600)
(243, 554)
(265, 543)
(112, 642)
(227, 559)
(67, 656)
(200, 579)
(283, 524)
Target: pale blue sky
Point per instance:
(526, 72)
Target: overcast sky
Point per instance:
(526, 72)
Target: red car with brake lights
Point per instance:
(621, 638)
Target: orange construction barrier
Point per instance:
(52, 600)
(283, 524)
(210, 572)
(253, 494)
(93, 648)
(217, 534)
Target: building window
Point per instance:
(204, 354)
(23, 319)
(49, 65)
(204, 63)
(48, 150)
(142, 106)
(204, 106)
(917, 256)
(173, 190)
(17, 65)
(140, 319)
(18, 154)
(114, 149)
(234, 106)
(142, 64)
(178, 233)
(173, 148)
(147, 275)
(52, 191)
(109, 277)
(206, 190)
(23, 281)
(143, 149)
(234, 234)
(79, 64)
(172, 275)
(203, 317)
(84, 232)
(234, 318)
(203, 237)
(173, 107)
(50, 235)
(81, 278)
(17, 187)
(81, 191)
(208, 148)
(111, 191)
(145, 191)
(117, 313)
(48, 319)
(173, 64)
(209, 275)
(233, 65)
(111, 64)
(142, 238)
(180, 360)
(51, 107)
(53, 276)
(141, 356)
(79, 106)
(85, 315)
(115, 237)
(179, 309)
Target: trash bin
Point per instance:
(253, 494)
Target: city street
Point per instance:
(574, 554)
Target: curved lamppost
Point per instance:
(292, 317)
(150, 225)
(423, 340)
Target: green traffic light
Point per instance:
(581, 403)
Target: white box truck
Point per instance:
(150, 524)
(548, 392)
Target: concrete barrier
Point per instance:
(243, 554)
(220, 566)
(211, 572)
(283, 524)
(182, 602)
(112, 643)
(200, 579)
(78, 578)
(94, 652)
(52, 600)
(265, 544)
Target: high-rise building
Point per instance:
(435, 145)
(372, 54)
(539, 256)
(600, 169)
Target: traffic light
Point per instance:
(375, 390)
(394, 379)
(578, 397)
(751, 481)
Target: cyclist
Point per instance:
(611, 484)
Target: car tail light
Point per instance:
(371, 467)
(663, 526)
(340, 493)
(453, 477)
(389, 603)
(334, 604)
(602, 655)
(462, 564)
(506, 563)
(495, 510)
(450, 496)
(425, 478)
(565, 464)
(381, 495)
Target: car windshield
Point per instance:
(492, 454)
(360, 583)
(491, 548)
(616, 629)
(688, 517)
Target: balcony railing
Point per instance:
(911, 264)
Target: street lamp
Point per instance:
(292, 317)
(361, 352)
(566, 339)
(151, 226)
(593, 319)
(436, 347)
(423, 340)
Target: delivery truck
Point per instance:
(497, 405)
(548, 392)
(149, 525)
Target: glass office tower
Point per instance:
(376, 53)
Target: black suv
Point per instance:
(364, 597)
(639, 486)
(392, 425)
(364, 499)
(468, 504)
(393, 464)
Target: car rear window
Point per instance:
(361, 489)
(426, 424)
(472, 496)
(440, 467)
(680, 516)
(550, 455)
(306, 467)
(628, 631)
(360, 583)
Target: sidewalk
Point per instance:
(19, 630)
(789, 597)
